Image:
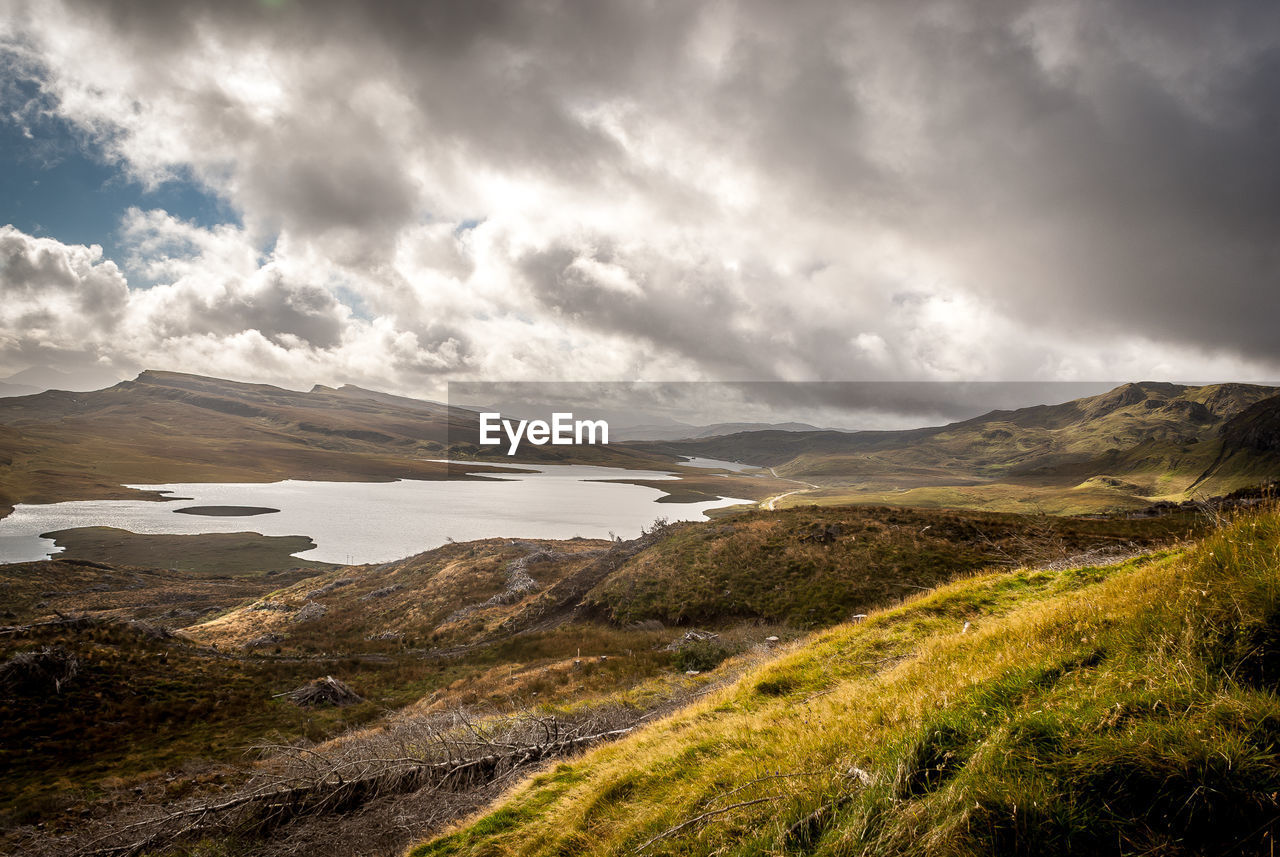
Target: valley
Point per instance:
(189, 669)
(166, 427)
(616, 429)
(1122, 450)
(203, 689)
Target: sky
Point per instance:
(403, 194)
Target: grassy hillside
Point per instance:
(460, 594)
(499, 624)
(1127, 709)
(1248, 452)
(1003, 441)
(810, 567)
(1119, 450)
(803, 567)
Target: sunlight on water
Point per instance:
(376, 521)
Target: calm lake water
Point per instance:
(715, 464)
(359, 522)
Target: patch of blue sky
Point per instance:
(353, 300)
(56, 184)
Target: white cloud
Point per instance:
(55, 296)
(713, 190)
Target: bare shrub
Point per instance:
(41, 671)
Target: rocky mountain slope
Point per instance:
(1120, 450)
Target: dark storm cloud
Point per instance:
(1138, 191)
(273, 306)
(749, 189)
(351, 186)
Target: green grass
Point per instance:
(1022, 497)
(1118, 710)
(768, 565)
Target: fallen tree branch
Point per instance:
(341, 785)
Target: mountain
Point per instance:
(168, 427)
(1256, 428)
(856, 678)
(1122, 449)
(171, 427)
(1248, 450)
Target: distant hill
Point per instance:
(1249, 450)
(166, 427)
(1120, 449)
(1256, 428)
(173, 427)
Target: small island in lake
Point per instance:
(226, 511)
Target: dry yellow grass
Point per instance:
(1128, 709)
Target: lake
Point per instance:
(361, 522)
(715, 464)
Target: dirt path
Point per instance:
(771, 503)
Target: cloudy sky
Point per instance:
(401, 194)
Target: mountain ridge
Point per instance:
(1127, 447)
(1138, 443)
(163, 427)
